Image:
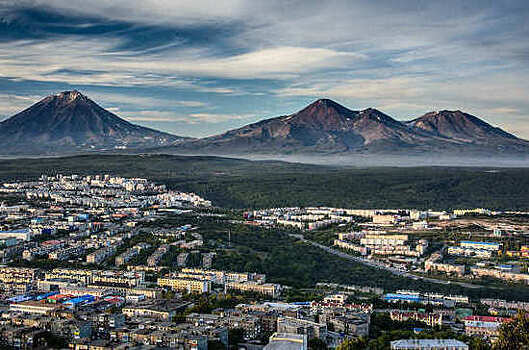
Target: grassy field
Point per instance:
(236, 183)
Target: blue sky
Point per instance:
(198, 68)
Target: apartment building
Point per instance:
(189, 285)
(428, 344)
(431, 319)
(34, 307)
(155, 257)
(351, 246)
(384, 240)
(100, 255)
(271, 289)
(17, 279)
(493, 246)
(299, 326)
(483, 326)
(148, 312)
(433, 264)
(66, 253)
(506, 276)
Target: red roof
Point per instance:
(51, 242)
(60, 296)
(486, 318)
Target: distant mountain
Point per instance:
(70, 122)
(323, 126)
(460, 126)
(328, 127)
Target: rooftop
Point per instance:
(427, 343)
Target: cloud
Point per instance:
(87, 62)
(141, 101)
(404, 57)
(192, 118)
(147, 11)
(11, 104)
(218, 118)
(505, 110)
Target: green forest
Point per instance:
(236, 183)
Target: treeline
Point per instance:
(236, 183)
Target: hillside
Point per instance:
(326, 127)
(70, 122)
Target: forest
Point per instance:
(237, 183)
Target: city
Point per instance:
(264, 175)
(95, 262)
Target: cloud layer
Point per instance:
(197, 68)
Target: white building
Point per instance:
(428, 344)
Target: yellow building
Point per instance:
(186, 284)
(273, 290)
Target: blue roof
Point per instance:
(483, 243)
(22, 230)
(391, 296)
(19, 298)
(46, 295)
(80, 299)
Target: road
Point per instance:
(381, 266)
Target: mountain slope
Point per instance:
(70, 122)
(325, 126)
(469, 130)
(460, 126)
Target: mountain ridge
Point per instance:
(325, 126)
(71, 122)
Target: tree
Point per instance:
(353, 344)
(216, 345)
(235, 336)
(476, 343)
(317, 344)
(514, 335)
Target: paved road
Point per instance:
(380, 266)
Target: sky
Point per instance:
(198, 68)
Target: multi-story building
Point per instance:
(384, 240)
(126, 256)
(354, 324)
(21, 234)
(18, 279)
(155, 257)
(100, 255)
(428, 344)
(119, 278)
(299, 326)
(181, 259)
(478, 253)
(290, 341)
(524, 251)
(271, 289)
(189, 285)
(433, 264)
(66, 253)
(493, 246)
(483, 326)
(148, 312)
(351, 246)
(34, 307)
(507, 276)
(384, 219)
(431, 319)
